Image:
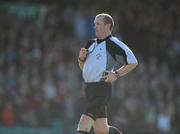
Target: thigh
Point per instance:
(97, 98)
(97, 108)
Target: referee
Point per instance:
(102, 61)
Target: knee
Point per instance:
(101, 126)
(101, 131)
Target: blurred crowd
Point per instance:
(40, 80)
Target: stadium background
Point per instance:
(41, 87)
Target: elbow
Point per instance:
(133, 65)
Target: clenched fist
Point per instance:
(83, 54)
(109, 76)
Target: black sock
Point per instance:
(82, 132)
(114, 130)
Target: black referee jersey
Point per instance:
(105, 54)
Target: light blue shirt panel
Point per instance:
(95, 63)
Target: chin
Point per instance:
(97, 36)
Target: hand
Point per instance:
(110, 77)
(83, 54)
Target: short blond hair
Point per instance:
(107, 19)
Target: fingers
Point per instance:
(106, 79)
(110, 77)
(83, 50)
(83, 53)
(106, 76)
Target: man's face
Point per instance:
(100, 27)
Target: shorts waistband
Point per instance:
(97, 83)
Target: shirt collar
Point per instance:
(101, 40)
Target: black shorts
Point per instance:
(98, 95)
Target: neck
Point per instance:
(104, 36)
(103, 39)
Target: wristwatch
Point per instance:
(81, 60)
(117, 74)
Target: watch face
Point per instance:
(117, 74)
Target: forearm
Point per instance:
(125, 69)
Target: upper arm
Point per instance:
(119, 49)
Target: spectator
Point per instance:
(8, 116)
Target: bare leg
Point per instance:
(101, 126)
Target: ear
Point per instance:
(108, 26)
